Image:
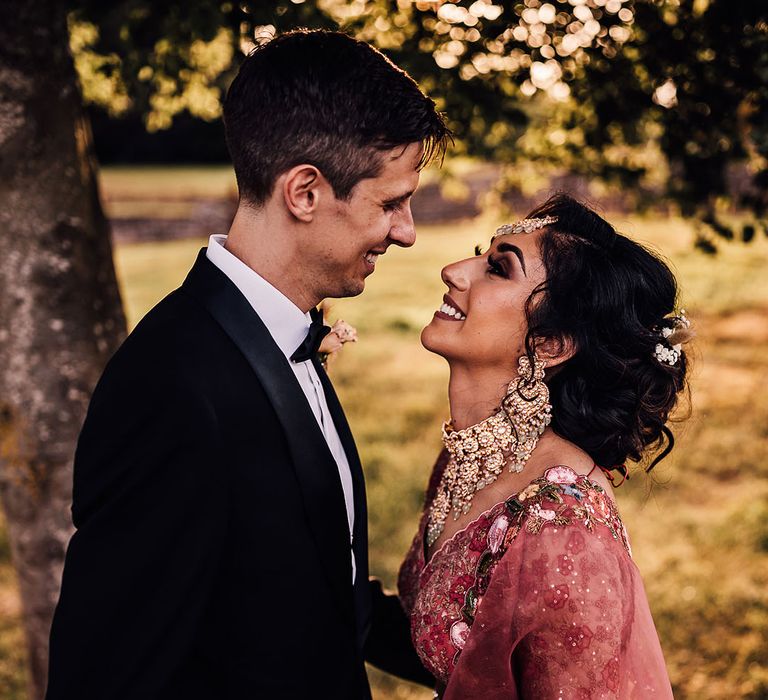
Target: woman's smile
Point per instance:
(450, 310)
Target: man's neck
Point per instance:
(258, 238)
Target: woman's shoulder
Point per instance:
(560, 522)
(561, 497)
(559, 510)
(557, 589)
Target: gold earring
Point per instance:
(528, 409)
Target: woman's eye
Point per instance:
(478, 250)
(495, 269)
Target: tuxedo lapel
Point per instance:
(313, 463)
(360, 531)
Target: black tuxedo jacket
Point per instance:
(211, 556)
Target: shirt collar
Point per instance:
(287, 323)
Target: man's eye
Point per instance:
(393, 206)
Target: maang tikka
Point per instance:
(478, 453)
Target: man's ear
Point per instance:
(555, 351)
(301, 190)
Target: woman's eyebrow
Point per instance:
(511, 248)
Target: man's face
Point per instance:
(349, 236)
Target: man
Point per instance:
(219, 502)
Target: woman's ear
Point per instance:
(555, 351)
(301, 190)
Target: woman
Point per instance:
(566, 360)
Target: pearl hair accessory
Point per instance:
(525, 226)
(668, 351)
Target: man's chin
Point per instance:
(349, 289)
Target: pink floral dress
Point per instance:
(537, 598)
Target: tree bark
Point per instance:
(60, 310)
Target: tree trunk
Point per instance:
(60, 310)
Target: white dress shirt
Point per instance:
(288, 325)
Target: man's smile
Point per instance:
(372, 256)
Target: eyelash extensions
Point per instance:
(495, 268)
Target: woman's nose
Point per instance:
(456, 275)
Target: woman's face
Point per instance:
(482, 319)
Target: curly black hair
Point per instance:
(610, 297)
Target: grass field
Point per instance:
(699, 526)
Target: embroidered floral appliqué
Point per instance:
(442, 596)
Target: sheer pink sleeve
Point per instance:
(564, 617)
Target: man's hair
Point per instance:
(325, 99)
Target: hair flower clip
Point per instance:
(675, 331)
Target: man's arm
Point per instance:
(149, 508)
(389, 646)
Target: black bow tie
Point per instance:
(310, 345)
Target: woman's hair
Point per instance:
(610, 297)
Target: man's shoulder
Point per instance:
(176, 335)
(175, 312)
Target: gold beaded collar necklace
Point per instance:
(478, 453)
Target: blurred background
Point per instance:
(113, 172)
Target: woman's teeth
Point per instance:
(450, 311)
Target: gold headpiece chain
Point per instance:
(525, 226)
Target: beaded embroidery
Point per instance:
(443, 595)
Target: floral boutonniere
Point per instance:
(341, 332)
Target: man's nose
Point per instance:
(403, 232)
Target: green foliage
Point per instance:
(664, 98)
(696, 74)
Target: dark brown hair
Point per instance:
(326, 99)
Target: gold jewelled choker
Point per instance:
(478, 453)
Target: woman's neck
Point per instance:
(475, 393)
